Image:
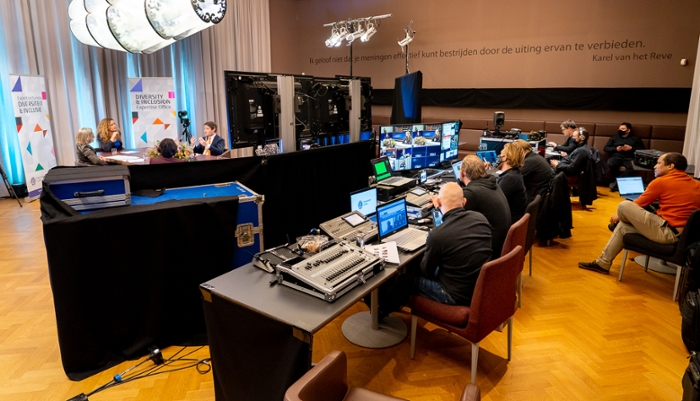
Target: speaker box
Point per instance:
(499, 118)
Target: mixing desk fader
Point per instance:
(347, 226)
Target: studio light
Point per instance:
(353, 29)
(141, 26)
(409, 36)
(371, 30)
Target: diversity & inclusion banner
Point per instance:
(33, 129)
(153, 110)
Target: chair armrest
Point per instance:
(327, 381)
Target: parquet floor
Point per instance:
(579, 335)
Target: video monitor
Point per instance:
(418, 146)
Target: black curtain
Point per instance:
(671, 100)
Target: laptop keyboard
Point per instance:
(409, 236)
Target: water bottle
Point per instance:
(360, 239)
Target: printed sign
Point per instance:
(153, 110)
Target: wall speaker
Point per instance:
(499, 118)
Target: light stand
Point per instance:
(9, 187)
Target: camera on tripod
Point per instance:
(183, 118)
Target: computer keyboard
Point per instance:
(409, 236)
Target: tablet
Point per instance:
(354, 219)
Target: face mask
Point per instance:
(621, 132)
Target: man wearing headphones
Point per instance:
(574, 163)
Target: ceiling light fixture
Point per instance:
(141, 26)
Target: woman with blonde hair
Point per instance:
(83, 151)
(108, 135)
(511, 181)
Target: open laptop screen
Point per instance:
(391, 217)
(630, 185)
(456, 166)
(364, 201)
(488, 156)
(382, 168)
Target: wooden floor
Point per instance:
(579, 335)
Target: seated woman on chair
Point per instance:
(108, 135)
(84, 153)
(167, 149)
(573, 164)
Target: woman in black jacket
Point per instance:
(511, 181)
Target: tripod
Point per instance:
(10, 190)
(186, 134)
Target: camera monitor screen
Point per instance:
(418, 146)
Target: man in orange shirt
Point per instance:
(678, 195)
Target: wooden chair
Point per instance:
(533, 209)
(328, 381)
(673, 253)
(517, 236)
(493, 304)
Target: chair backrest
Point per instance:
(532, 209)
(326, 381)
(517, 235)
(690, 234)
(494, 294)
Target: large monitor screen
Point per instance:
(417, 146)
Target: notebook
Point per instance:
(385, 175)
(630, 188)
(488, 156)
(392, 222)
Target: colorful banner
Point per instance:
(153, 110)
(33, 128)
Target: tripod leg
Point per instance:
(9, 187)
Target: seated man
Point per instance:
(485, 196)
(621, 149)
(567, 128)
(454, 251)
(211, 144)
(535, 170)
(454, 254)
(574, 163)
(678, 195)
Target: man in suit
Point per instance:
(211, 144)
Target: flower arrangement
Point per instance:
(183, 151)
(419, 141)
(389, 143)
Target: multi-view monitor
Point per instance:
(417, 146)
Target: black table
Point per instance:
(261, 337)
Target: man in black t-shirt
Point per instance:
(621, 149)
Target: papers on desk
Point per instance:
(387, 251)
(122, 158)
(128, 152)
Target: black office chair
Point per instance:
(673, 253)
(532, 208)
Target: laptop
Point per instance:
(456, 166)
(385, 175)
(365, 202)
(489, 156)
(392, 222)
(630, 188)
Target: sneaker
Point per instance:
(612, 226)
(593, 266)
(613, 187)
